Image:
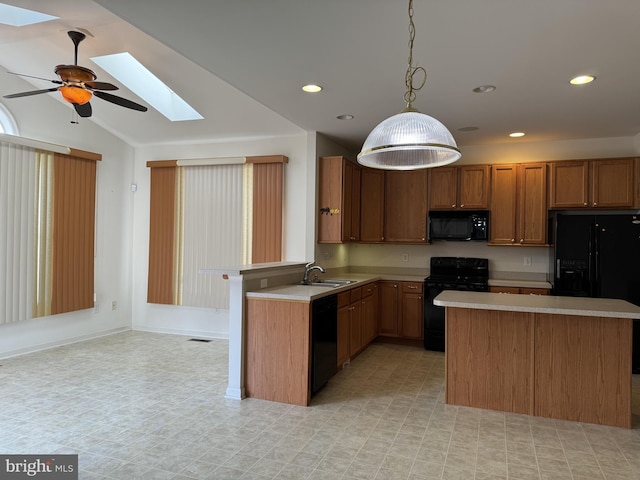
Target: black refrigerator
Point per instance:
(599, 256)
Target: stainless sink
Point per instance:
(333, 283)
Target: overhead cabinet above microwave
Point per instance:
(459, 188)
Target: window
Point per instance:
(47, 213)
(7, 122)
(207, 216)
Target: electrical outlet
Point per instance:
(405, 257)
(114, 305)
(527, 261)
(264, 283)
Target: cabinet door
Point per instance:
(569, 184)
(412, 308)
(612, 183)
(473, 187)
(504, 289)
(443, 188)
(330, 200)
(344, 334)
(405, 216)
(372, 205)
(354, 203)
(355, 328)
(532, 204)
(389, 294)
(502, 219)
(369, 313)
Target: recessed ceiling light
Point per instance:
(311, 88)
(582, 79)
(19, 17)
(484, 88)
(516, 134)
(137, 78)
(345, 117)
(467, 129)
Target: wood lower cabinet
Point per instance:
(405, 214)
(369, 330)
(344, 327)
(402, 310)
(518, 204)
(520, 290)
(454, 188)
(357, 321)
(607, 183)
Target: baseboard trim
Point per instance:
(67, 341)
(186, 333)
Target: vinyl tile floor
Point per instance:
(142, 405)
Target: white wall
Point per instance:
(44, 118)
(298, 228)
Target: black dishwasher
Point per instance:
(324, 341)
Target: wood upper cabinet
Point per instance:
(453, 188)
(372, 205)
(605, 183)
(338, 200)
(405, 215)
(518, 204)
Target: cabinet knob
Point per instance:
(585, 204)
(395, 286)
(453, 206)
(522, 240)
(595, 204)
(513, 240)
(462, 205)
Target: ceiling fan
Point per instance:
(78, 85)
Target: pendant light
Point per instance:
(409, 140)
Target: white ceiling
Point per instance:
(241, 64)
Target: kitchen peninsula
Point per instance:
(559, 357)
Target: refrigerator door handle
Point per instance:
(558, 268)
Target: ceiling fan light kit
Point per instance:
(409, 140)
(78, 85)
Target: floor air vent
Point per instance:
(203, 340)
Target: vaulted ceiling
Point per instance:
(241, 64)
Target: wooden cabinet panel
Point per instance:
(443, 188)
(405, 218)
(389, 308)
(532, 204)
(372, 205)
(369, 313)
(338, 200)
(612, 183)
(518, 204)
(402, 309)
(452, 188)
(412, 317)
(521, 290)
(575, 355)
(500, 341)
(344, 327)
(504, 289)
(473, 190)
(355, 329)
(502, 228)
(607, 183)
(568, 184)
(535, 291)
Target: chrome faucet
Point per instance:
(308, 268)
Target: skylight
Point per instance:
(19, 17)
(137, 78)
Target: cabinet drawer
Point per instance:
(344, 299)
(412, 287)
(356, 294)
(368, 290)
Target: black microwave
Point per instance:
(459, 225)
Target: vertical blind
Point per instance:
(47, 219)
(207, 216)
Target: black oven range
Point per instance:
(449, 273)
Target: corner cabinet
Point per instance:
(605, 183)
(518, 204)
(459, 188)
(405, 214)
(338, 200)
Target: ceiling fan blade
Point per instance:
(100, 86)
(58, 82)
(123, 102)
(83, 110)
(32, 92)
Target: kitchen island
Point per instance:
(558, 357)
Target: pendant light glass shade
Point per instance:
(408, 141)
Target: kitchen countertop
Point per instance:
(581, 306)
